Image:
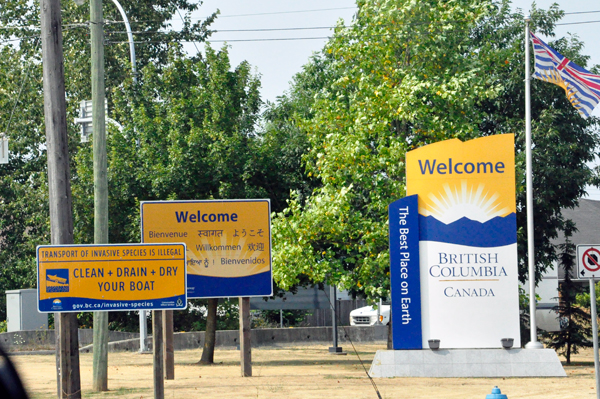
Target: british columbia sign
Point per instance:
(228, 243)
(76, 278)
(467, 245)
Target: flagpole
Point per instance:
(533, 344)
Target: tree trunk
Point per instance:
(208, 352)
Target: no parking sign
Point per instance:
(588, 261)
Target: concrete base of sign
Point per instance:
(467, 363)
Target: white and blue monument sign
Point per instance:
(453, 267)
(454, 260)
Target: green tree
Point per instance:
(24, 219)
(564, 141)
(575, 329)
(406, 74)
(583, 298)
(188, 133)
(403, 75)
(24, 214)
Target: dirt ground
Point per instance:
(294, 372)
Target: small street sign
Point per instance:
(100, 277)
(588, 261)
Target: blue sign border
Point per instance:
(405, 273)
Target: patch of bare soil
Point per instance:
(294, 372)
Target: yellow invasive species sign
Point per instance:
(75, 278)
(228, 243)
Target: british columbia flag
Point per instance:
(581, 86)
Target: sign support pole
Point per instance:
(594, 316)
(143, 331)
(157, 346)
(168, 345)
(334, 327)
(245, 337)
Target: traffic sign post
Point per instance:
(101, 277)
(588, 267)
(228, 243)
(594, 316)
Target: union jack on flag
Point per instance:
(581, 86)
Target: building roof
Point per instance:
(587, 219)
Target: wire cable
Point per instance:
(226, 41)
(182, 20)
(332, 305)
(287, 12)
(246, 15)
(19, 39)
(20, 91)
(581, 12)
(238, 30)
(577, 23)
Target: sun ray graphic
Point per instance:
(475, 203)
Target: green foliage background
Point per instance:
(329, 153)
(406, 74)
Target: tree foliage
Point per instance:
(24, 215)
(575, 330)
(403, 75)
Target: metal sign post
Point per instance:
(125, 277)
(594, 316)
(588, 267)
(228, 252)
(3, 148)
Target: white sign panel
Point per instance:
(588, 261)
(465, 290)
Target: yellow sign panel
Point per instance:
(111, 277)
(228, 243)
(454, 179)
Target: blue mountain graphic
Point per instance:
(493, 233)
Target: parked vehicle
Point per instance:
(367, 316)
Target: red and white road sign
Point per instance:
(588, 261)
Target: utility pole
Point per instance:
(100, 358)
(59, 186)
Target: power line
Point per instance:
(19, 39)
(286, 12)
(38, 28)
(241, 30)
(577, 23)
(247, 15)
(261, 30)
(182, 20)
(227, 41)
(581, 12)
(20, 91)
